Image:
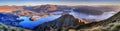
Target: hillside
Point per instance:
(9, 9)
(65, 22)
(4, 27)
(61, 24)
(70, 23)
(105, 25)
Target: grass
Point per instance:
(116, 26)
(4, 27)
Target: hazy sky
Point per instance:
(60, 2)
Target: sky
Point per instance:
(60, 2)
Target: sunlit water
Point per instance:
(31, 24)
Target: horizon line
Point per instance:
(62, 4)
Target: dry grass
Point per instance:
(10, 28)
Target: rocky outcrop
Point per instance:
(65, 22)
(33, 18)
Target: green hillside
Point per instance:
(4, 27)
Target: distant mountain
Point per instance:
(66, 21)
(88, 11)
(91, 12)
(9, 9)
(46, 9)
(40, 10)
(96, 10)
(43, 8)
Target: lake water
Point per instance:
(31, 24)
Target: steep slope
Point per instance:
(65, 22)
(70, 23)
(105, 23)
(4, 27)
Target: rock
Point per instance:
(34, 18)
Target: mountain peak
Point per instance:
(65, 21)
(67, 16)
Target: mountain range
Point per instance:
(70, 23)
(87, 12)
(74, 18)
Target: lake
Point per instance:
(31, 24)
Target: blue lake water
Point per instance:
(31, 24)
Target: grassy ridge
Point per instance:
(4, 27)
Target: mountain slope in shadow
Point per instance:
(63, 23)
(70, 23)
(106, 25)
